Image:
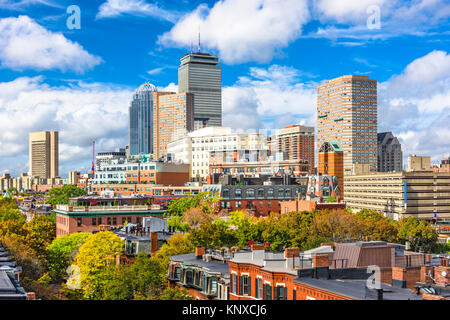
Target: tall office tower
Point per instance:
(347, 114)
(390, 156)
(44, 154)
(141, 120)
(199, 74)
(296, 141)
(331, 162)
(173, 118)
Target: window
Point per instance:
(251, 193)
(79, 222)
(234, 284)
(99, 221)
(260, 193)
(270, 193)
(109, 221)
(267, 292)
(226, 193)
(259, 288)
(94, 221)
(114, 221)
(280, 293)
(245, 285)
(280, 193)
(237, 193)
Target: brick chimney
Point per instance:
(256, 247)
(199, 252)
(291, 252)
(321, 260)
(154, 242)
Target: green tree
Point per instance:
(213, 235)
(95, 254)
(62, 251)
(61, 195)
(246, 228)
(39, 233)
(419, 233)
(331, 199)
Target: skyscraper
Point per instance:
(390, 156)
(200, 74)
(347, 114)
(44, 154)
(141, 120)
(173, 118)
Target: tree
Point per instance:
(246, 227)
(338, 225)
(378, 227)
(98, 251)
(61, 195)
(418, 233)
(39, 233)
(176, 244)
(204, 200)
(62, 251)
(213, 235)
(176, 294)
(331, 199)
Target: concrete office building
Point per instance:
(296, 141)
(419, 163)
(347, 114)
(390, 155)
(200, 74)
(173, 118)
(216, 140)
(105, 158)
(141, 120)
(44, 154)
(421, 194)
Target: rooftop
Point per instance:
(212, 266)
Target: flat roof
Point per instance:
(213, 266)
(356, 289)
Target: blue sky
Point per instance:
(273, 55)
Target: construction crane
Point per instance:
(93, 158)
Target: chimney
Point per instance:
(199, 252)
(321, 260)
(427, 258)
(291, 253)
(255, 247)
(154, 242)
(444, 262)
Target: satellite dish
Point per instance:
(444, 274)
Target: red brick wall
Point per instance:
(411, 275)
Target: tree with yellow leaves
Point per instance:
(95, 255)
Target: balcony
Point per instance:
(67, 208)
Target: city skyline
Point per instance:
(268, 82)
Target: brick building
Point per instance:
(91, 213)
(342, 274)
(331, 162)
(204, 275)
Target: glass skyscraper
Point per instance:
(141, 120)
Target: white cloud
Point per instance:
(416, 105)
(241, 30)
(24, 44)
(155, 71)
(347, 19)
(80, 112)
(114, 8)
(268, 98)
